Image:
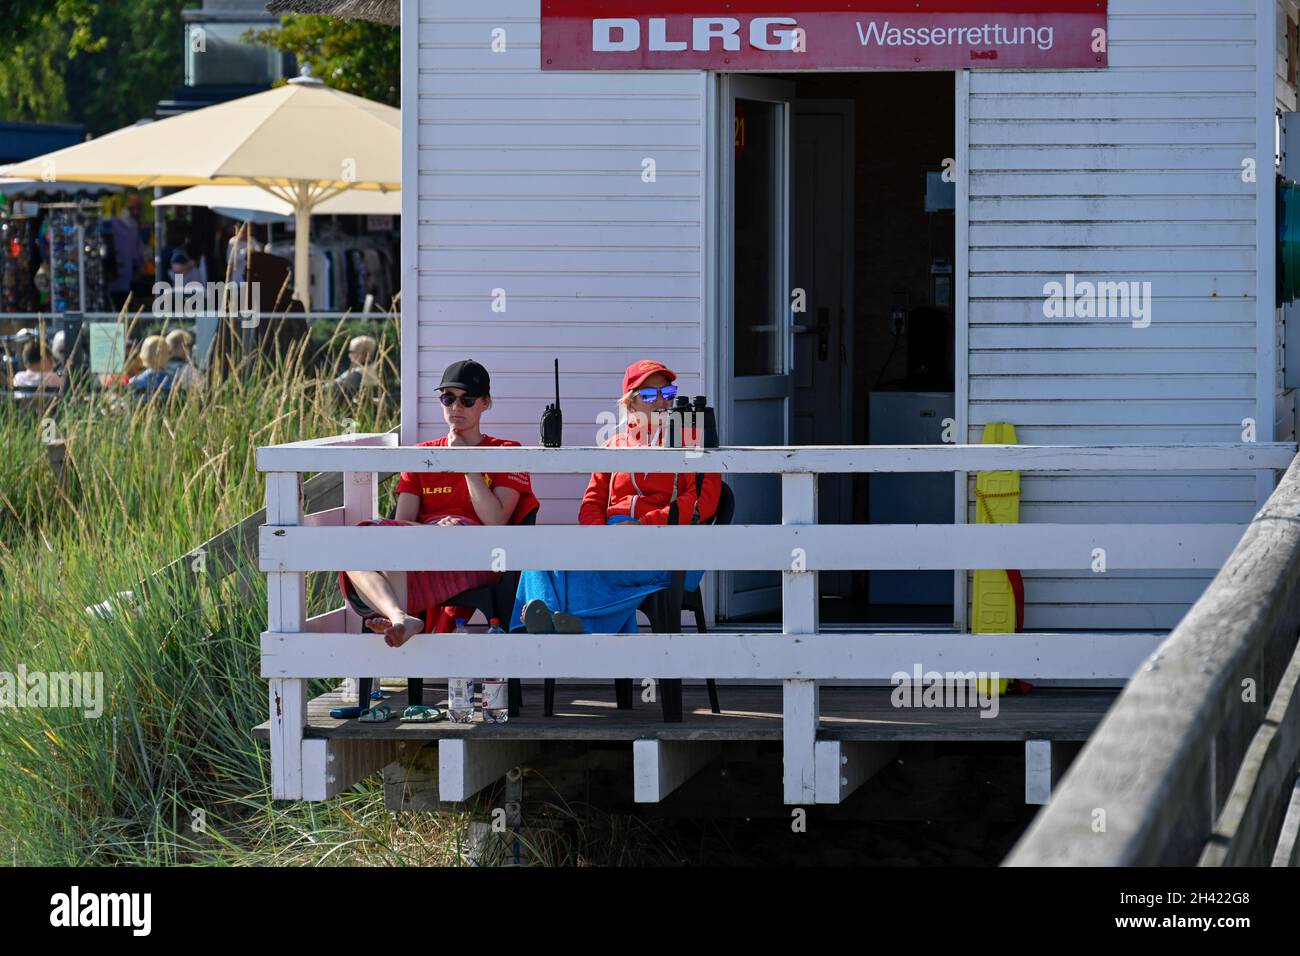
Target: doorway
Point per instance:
(836, 244)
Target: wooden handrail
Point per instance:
(1169, 776)
(236, 546)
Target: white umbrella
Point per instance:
(235, 201)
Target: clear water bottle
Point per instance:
(496, 695)
(460, 691)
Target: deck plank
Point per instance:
(587, 712)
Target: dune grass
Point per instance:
(170, 769)
(170, 773)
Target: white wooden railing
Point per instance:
(295, 648)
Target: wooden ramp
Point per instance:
(858, 732)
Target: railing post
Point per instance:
(799, 617)
(360, 503)
(286, 613)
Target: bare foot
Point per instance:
(395, 635)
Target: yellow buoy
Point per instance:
(997, 501)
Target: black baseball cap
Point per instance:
(467, 375)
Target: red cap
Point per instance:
(638, 372)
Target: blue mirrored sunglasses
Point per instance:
(650, 395)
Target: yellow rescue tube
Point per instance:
(997, 501)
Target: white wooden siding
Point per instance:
(1129, 173)
(531, 182)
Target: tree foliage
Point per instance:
(357, 56)
(101, 63)
(106, 63)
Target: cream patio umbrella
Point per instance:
(235, 200)
(303, 143)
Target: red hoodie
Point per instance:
(646, 497)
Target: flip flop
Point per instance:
(566, 623)
(537, 618)
(421, 714)
(346, 713)
(376, 715)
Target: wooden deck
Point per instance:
(586, 711)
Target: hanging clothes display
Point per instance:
(73, 247)
(17, 265)
(345, 269)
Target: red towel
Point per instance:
(425, 590)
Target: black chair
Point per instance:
(497, 600)
(664, 609)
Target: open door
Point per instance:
(755, 315)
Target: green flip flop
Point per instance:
(376, 715)
(421, 714)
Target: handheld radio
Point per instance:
(552, 418)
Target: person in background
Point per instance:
(239, 247)
(185, 270)
(128, 249)
(180, 366)
(155, 377)
(364, 372)
(39, 373)
(58, 349)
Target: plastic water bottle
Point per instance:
(496, 699)
(460, 691)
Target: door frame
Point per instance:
(721, 132)
(716, 334)
(722, 239)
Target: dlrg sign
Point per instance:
(623, 34)
(805, 34)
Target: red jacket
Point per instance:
(646, 497)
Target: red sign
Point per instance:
(781, 35)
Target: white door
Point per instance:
(755, 317)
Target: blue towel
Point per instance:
(606, 601)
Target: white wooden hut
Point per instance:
(854, 230)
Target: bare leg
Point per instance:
(387, 595)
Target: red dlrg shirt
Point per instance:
(446, 493)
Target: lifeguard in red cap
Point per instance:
(605, 602)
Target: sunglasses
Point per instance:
(650, 395)
(448, 400)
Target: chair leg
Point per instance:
(713, 697)
(515, 695)
(670, 692)
(548, 697)
(414, 691)
(363, 691)
(623, 693)
(698, 609)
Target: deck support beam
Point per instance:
(332, 765)
(661, 766)
(844, 765)
(1045, 762)
(467, 766)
